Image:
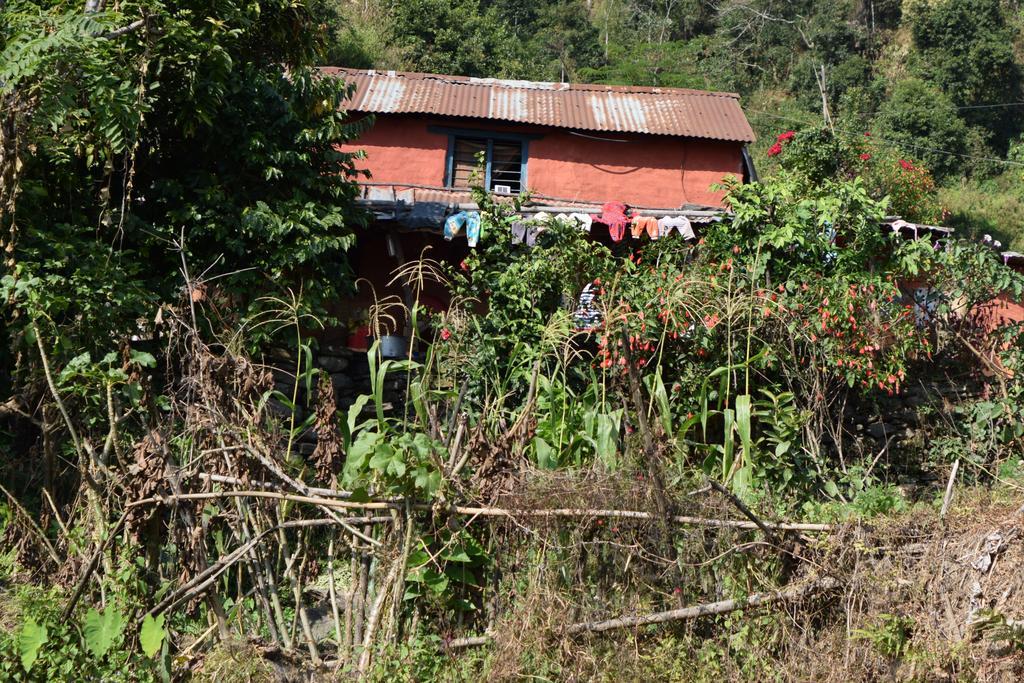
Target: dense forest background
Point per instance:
(940, 82)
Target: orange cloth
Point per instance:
(642, 224)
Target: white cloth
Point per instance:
(667, 224)
(583, 219)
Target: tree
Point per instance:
(199, 133)
(922, 121)
(966, 49)
(453, 37)
(562, 42)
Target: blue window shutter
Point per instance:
(488, 159)
(449, 162)
(522, 166)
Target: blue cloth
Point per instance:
(454, 224)
(473, 227)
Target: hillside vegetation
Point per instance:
(769, 461)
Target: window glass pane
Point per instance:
(507, 165)
(506, 162)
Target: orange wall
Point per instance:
(1002, 311)
(649, 170)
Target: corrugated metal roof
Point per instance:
(609, 108)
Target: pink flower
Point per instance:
(865, 156)
(775, 150)
(446, 334)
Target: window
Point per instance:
(504, 162)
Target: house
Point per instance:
(573, 147)
(646, 147)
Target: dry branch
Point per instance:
(686, 613)
(948, 497)
(489, 511)
(744, 509)
(721, 607)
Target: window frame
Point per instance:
(489, 137)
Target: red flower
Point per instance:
(867, 134)
(775, 150)
(786, 137)
(907, 166)
(865, 156)
(463, 265)
(446, 334)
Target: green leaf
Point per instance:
(33, 636)
(427, 480)
(546, 457)
(143, 358)
(728, 447)
(743, 425)
(75, 365)
(382, 456)
(101, 629)
(459, 555)
(606, 438)
(418, 558)
(152, 635)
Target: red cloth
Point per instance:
(613, 214)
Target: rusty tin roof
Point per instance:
(608, 108)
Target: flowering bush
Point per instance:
(780, 140)
(820, 155)
(738, 339)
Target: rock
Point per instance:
(881, 430)
(279, 353)
(340, 381)
(336, 350)
(333, 364)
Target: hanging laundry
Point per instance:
(519, 229)
(531, 236)
(473, 228)
(454, 224)
(584, 220)
(613, 214)
(540, 220)
(681, 223)
(587, 315)
(642, 224)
